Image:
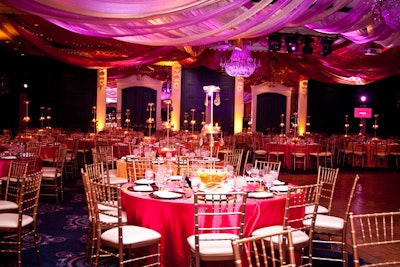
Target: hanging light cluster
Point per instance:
(240, 63)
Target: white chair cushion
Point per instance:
(111, 219)
(135, 236)
(10, 220)
(260, 152)
(300, 238)
(217, 246)
(320, 209)
(8, 205)
(326, 222)
(48, 169)
(118, 180)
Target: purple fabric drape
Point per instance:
(141, 32)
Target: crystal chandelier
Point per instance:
(240, 63)
(388, 11)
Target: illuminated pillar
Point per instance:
(239, 105)
(176, 95)
(302, 106)
(101, 104)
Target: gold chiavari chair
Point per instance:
(121, 241)
(273, 249)
(213, 242)
(298, 198)
(21, 226)
(372, 231)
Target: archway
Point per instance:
(142, 82)
(279, 89)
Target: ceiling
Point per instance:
(136, 36)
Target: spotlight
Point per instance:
(291, 44)
(307, 48)
(326, 46)
(274, 42)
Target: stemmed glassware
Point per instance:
(249, 167)
(149, 175)
(160, 180)
(268, 180)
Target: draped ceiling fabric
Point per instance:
(129, 37)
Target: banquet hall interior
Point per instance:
(191, 78)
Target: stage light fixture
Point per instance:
(291, 43)
(274, 42)
(307, 48)
(326, 46)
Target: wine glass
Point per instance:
(239, 183)
(268, 181)
(149, 175)
(160, 180)
(249, 167)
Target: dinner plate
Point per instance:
(213, 159)
(277, 182)
(279, 188)
(144, 181)
(167, 194)
(252, 179)
(175, 178)
(260, 194)
(143, 188)
(9, 157)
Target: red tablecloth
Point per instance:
(174, 220)
(5, 165)
(288, 149)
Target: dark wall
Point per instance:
(329, 103)
(193, 96)
(69, 91)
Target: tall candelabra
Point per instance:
(361, 126)
(185, 121)
(308, 126)
(94, 119)
(295, 125)
(282, 125)
(192, 121)
(48, 118)
(150, 120)
(42, 118)
(203, 118)
(250, 123)
(168, 102)
(346, 125)
(127, 119)
(210, 128)
(26, 119)
(375, 127)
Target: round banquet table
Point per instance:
(174, 220)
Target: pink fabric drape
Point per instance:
(120, 34)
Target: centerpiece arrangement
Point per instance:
(211, 176)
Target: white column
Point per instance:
(101, 104)
(176, 95)
(302, 106)
(239, 105)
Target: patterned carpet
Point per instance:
(62, 232)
